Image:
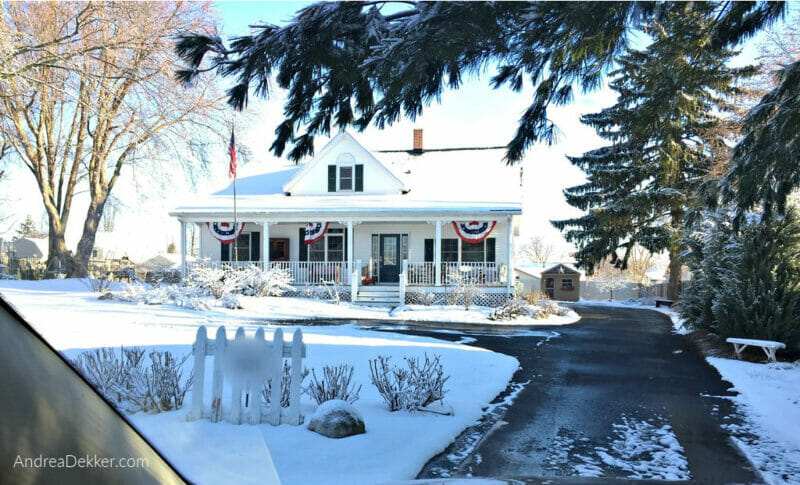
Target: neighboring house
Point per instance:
(30, 248)
(561, 282)
(375, 223)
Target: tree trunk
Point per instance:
(58, 256)
(675, 249)
(674, 287)
(79, 267)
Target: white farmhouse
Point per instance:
(379, 224)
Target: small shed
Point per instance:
(561, 282)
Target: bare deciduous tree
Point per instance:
(88, 90)
(535, 250)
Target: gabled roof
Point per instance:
(561, 269)
(458, 182)
(343, 136)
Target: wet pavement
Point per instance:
(616, 395)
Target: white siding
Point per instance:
(314, 181)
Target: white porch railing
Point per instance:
(303, 272)
(485, 274)
(421, 274)
(314, 272)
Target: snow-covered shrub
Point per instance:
(392, 383)
(410, 389)
(308, 292)
(133, 293)
(231, 301)
(467, 287)
(426, 381)
(215, 281)
(336, 383)
(110, 371)
(420, 298)
(746, 280)
(286, 385)
(272, 282)
(161, 386)
(98, 285)
(510, 310)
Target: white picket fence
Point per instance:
(245, 364)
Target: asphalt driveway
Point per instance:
(616, 395)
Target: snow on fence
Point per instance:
(245, 365)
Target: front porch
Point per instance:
(359, 255)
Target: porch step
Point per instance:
(378, 295)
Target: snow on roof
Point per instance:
(31, 247)
(561, 268)
(452, 181)
(536, 269)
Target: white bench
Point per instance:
(769, 347)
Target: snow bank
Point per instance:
(768, 396)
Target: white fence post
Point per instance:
(275, 373)
(235, 415)
(295, 389)
(247, 365)
(199, 351)
(220, 348)
(252, 389)
(355, 279)
(403, 281)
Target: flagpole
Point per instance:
(235, 224)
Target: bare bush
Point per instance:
(410, 389)
(427, 381)
(467, 286)
(534, 297)
(98, 285)
(160, 387)
(392, 383)
(124, 380)
(286, 385)
(336, 383)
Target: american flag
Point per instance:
(232, 153)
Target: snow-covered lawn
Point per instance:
(769, 397)
(395, 446)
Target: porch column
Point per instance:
(350, 245)
(265, 245)
(509, 253)
(183, 249)
(437, 253)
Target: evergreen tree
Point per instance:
(766, 162)
(746, 281)
(665, 132)
(28, 228)
(355, 63)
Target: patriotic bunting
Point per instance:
(225, 232)
(473, 232)
(315, 231)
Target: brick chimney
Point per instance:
(418, 140)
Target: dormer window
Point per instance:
(346, 175)
(346, 178)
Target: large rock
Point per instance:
(337, 419)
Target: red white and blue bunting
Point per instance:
(315, 231)
(225, 232)
(473, 232)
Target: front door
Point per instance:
(390, 258)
